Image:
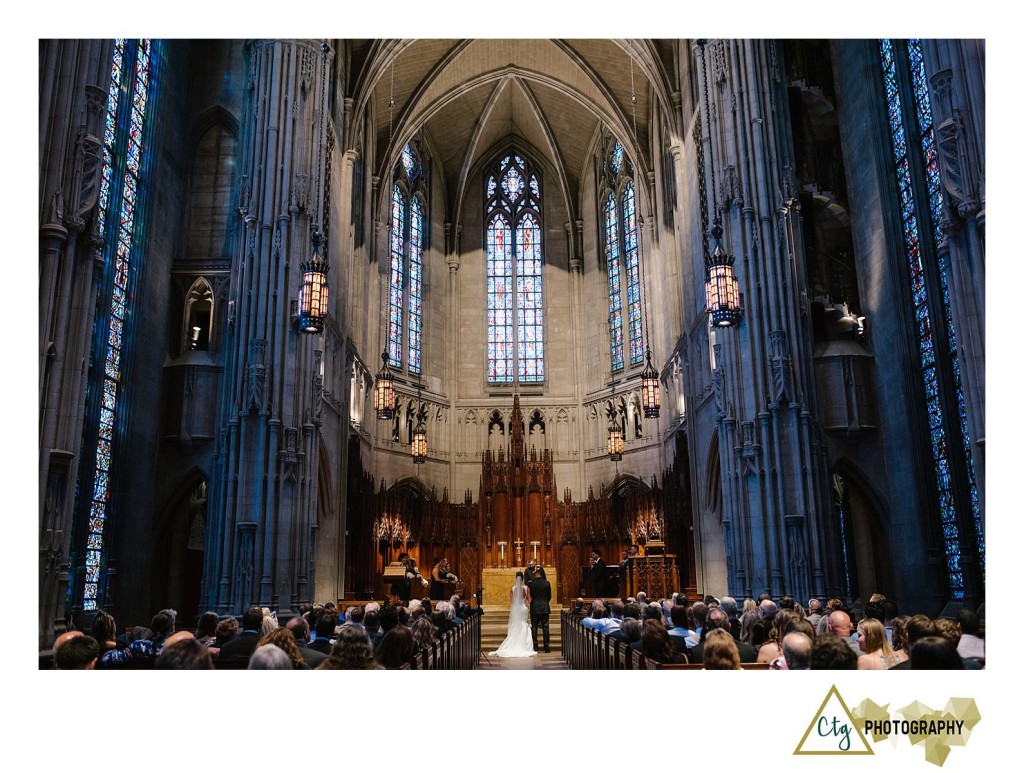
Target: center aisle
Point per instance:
(494, 627)
(543, 660)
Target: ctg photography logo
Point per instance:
(836, 729)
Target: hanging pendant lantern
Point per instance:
(650, 391)
(723, 289)
(384, 392)
(313, 295)
(615, 440)
(419, 437)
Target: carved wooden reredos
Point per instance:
(518, 504)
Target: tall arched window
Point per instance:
(515, 300)
(920, 205)
(623, 260)
(405, 296)
(120, 225)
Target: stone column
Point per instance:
(956, 71)
(775, 487)
(74, 78)
(270, 420)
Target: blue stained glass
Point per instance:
(636, 336)
(397, 277)
(618, 152)
(415, 282)
(409, 162)
(611, 225)
(922, 311)
(514, 274)
(103, 455)
(92, 573)
(132, 148)
(512, 183)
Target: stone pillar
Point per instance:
(774, 484)
(956, 71)
(270, 412)
(74, 78)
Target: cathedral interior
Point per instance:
(306, 305)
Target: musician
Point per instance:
(440, 576)
(412, 573)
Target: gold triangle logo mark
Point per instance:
(833, 730)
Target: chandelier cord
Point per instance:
(324, 48)
(707, 120)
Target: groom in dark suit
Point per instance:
(540, 606)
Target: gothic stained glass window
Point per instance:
(119, 224)
(396, 285)
(415, 282)
(611, 228)
(623, 260)
(514, 252)
(917, 153)
(406, 243)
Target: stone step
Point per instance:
(494, 628)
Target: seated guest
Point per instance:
(700, 615)
(830, 653)
(629, 630)
(878, 654)
(104, 631)
(325, 626)
(206, 632)
(269, 622)
(161, 626)
(830, 606)
(610, 620)
(948, 629)
(900, 648)
(918, 627)
(185, 654)
(396, 648)
(814, 613)
(283, 639)
(458, 606)
(227, 629)
(656, 644)
(728, 606)
(679, 630)
(77, 653)
(269, 657)
(970, 646)
(424, 634)
(935, 653)
(720, 653)
(796, 650)
(243, 645)
(719, 620)
(351, 651)
(840, 624)
(299, 629)
(772, 648)
(371, 622)
(440, 622)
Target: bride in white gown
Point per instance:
(519, 642)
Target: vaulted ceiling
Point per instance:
(466, 98)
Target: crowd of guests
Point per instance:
(369, 636)
(721, 634)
